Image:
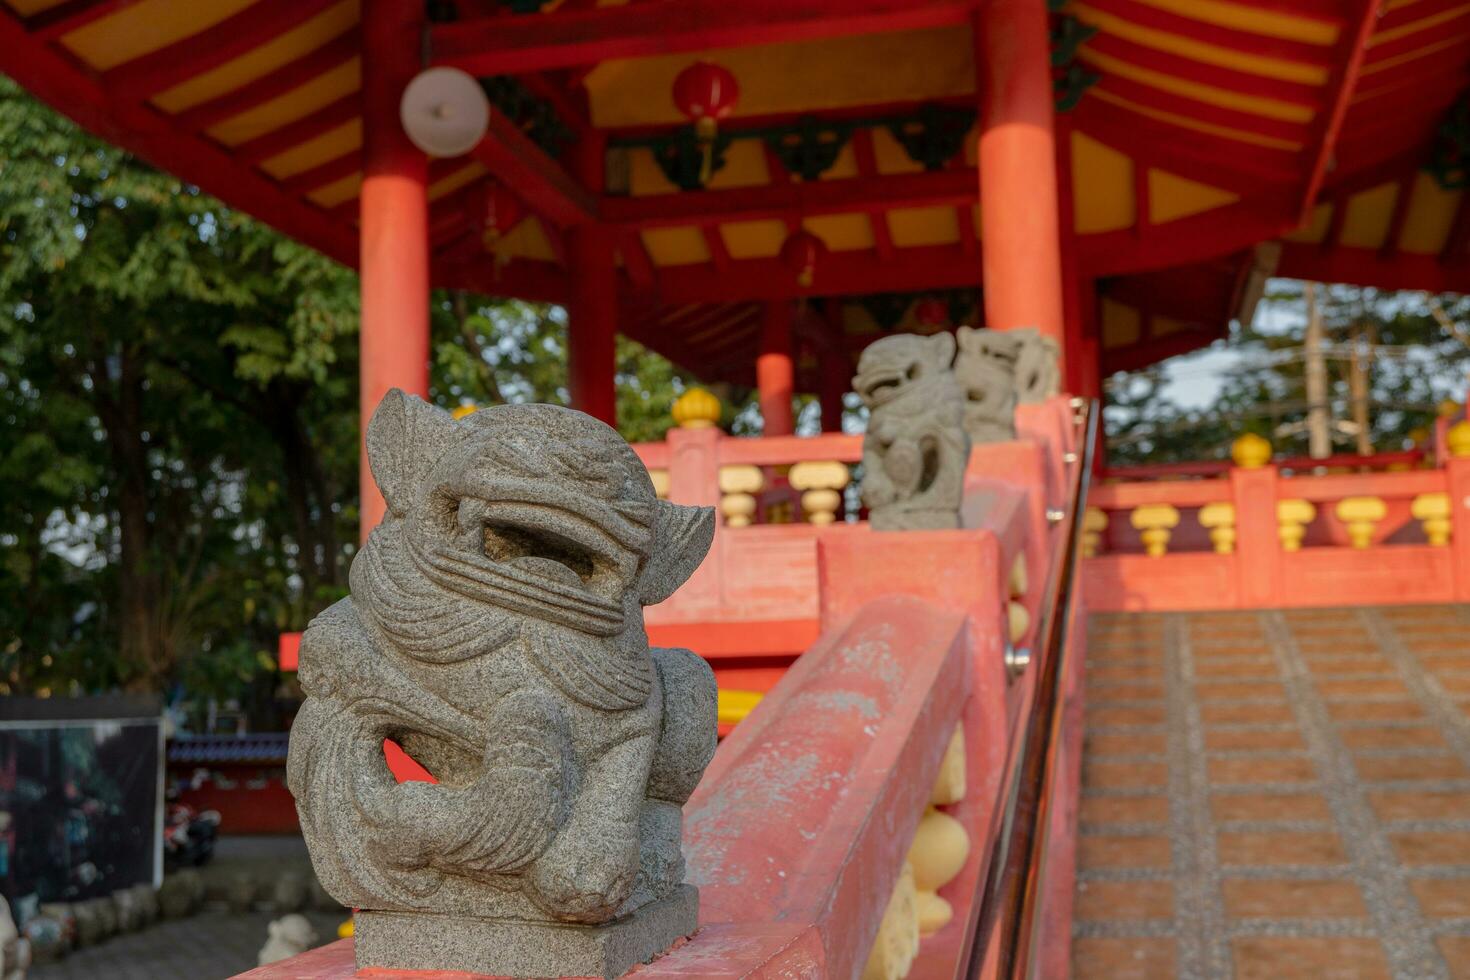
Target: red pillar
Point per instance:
(1018, 171)
(592, 315)
(394, 258)
(774, 372)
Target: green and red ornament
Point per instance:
(706, 93)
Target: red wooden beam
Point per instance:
(66, 17)
(855, 273)
(323, 173)
(1187, 240)
(636, 261)
(714, 240)
(867, 165)
(514, 45)
(1151, 351)
(311, 125)
(783, 200)
(145, 132)
(519, 278)
(1457, 242)
(538, 180)
(235, 35)
(1364, 267)
(272, 85)
(1396, 219)
(1433, 36)
(1343, 84)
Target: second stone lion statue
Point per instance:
(495, 632)
(915, 451)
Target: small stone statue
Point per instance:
(1038, 375)
(288, 892)
(495, 632)
(916, 448)
(290, 935)
(986, 368)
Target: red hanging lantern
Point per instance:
(931, 313)
(801, 252)
(706, 93)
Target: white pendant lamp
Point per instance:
(444, 112)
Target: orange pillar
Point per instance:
(775, 374)
(1018, 170)
(394, 257)
(592, 314)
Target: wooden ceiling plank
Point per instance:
(237, 34)
(53, 22)
(272, 85)
(310, 126)
(535, 42)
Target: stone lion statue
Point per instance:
(986, 368)
(915, 451)
(1038, 373)
(495, 632)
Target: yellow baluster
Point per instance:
(1250, 451)
(1292, 518)
(732, 705)
(660, 479)
(1018, 620)
(1019, 583)
(1457, 439)
(738, 487)
(821, 483)
(897, 942)
(1094, 523)
(1155, 524)
(1219, 520)
(1361, 515)
(696, 409)
(1433, 510)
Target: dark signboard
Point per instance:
(81, 797)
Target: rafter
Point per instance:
(141, 130)
(1343, 82)
(1404, 190)
(171, 64)
(540, 181)
(513, 45)
(309, 126)
(71, 15)
(272, 85)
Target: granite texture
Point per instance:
(1038, 367)
(916, 448)
(504, 948)
(495, 632)
(986, 369)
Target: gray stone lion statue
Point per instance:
(915, 450)
(495, 632)
(1000, 369)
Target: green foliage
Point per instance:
(178, 418)
(1420, 353)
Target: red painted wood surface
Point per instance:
(394, 339)
(1018, 173)
(1398, 567)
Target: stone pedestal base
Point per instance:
(520, 948)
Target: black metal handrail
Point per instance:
(1008, 902)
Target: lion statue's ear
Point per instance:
(943, 344)
(404, 439)
(681, 539)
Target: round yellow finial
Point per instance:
(1458, 438)
(1250, 451)
(696, 409)
(1448, 408)
(460, 411)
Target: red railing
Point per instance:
(1271, 537)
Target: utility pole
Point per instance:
(1362, 354)
(1319, 421)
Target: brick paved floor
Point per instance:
(1276, 794)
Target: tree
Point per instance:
(178, 418)
(1411, 353)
